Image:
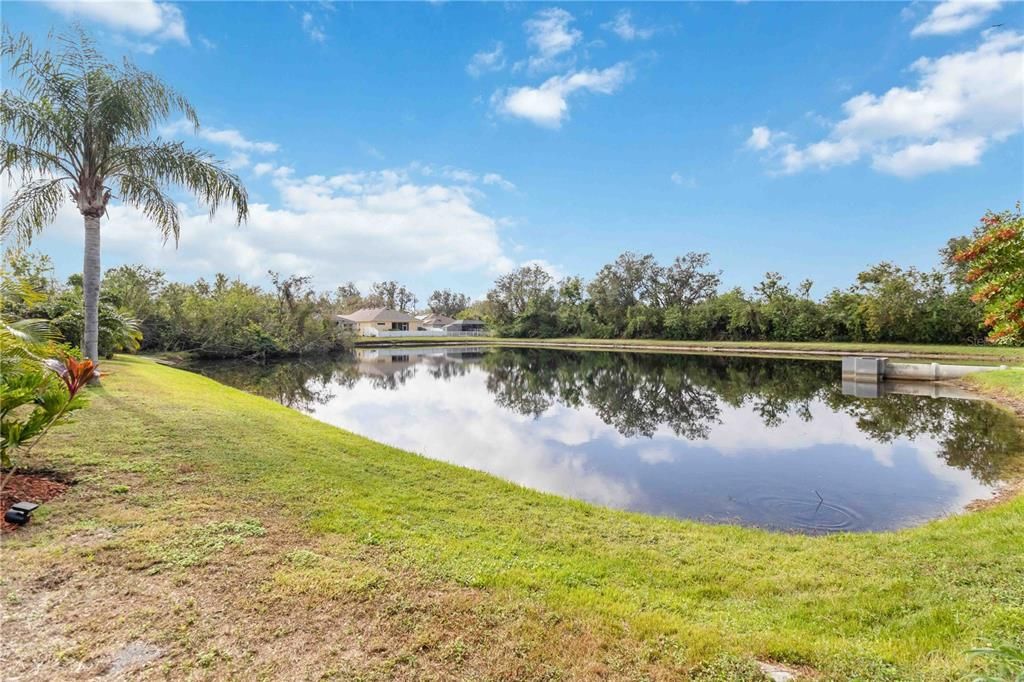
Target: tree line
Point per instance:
(139, 309)
(978, 286)
(391, 294)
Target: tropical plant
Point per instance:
(26, 388)
(22, 340)
(996, 259)
(118, 331)
(81, 127)
(31, 400)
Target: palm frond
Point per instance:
(17, 291)
(36, 136)
(30, 331)
(24, 345)
(133, 102)
(171, 163)
(29, 161)
(144, 193)
(122, 331)
(33, 206)
(52, 78)
(21, 340)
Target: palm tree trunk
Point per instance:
(91, 288)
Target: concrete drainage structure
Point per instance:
(866, 377)
(868, 369)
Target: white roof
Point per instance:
(378, 315)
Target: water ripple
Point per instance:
(812, 515)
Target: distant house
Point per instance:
(465, 326)
(378, 321)
(436, 320)
(370, 321)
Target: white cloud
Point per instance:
(916, 159)
(360, 226)
(954, 16)
(135, 45)
(239, 160)
(487, 62)
(235, 140)
(687, 181)
(824, 154)
(262, 168)
(760, 138)
(495, 179)
(156, 20)
(622, 25)
(313, 28)
(547, 105)
(460, 175)
(227, 137)
(550, 35)
(552, 39)
(959, 106)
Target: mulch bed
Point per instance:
(35, 487)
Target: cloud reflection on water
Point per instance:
(734, 440)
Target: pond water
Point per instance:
(761, 442)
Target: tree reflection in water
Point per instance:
(640, 393)
(300, 383)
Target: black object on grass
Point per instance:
(20, 512)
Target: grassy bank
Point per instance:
(1006, 386)
(214, 533)
(1000, 354)
(1009, 382)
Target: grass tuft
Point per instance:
(199, 543)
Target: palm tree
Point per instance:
(80, 128)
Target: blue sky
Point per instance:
(442, 144)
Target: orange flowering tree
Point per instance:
(995, 257)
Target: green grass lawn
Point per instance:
(236, 537)
(1000, 354)
(1008, 382)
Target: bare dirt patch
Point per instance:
(1004, 493)
(35, 487)
(132, 657)
(778, 672)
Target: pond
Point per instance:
(771, 443)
